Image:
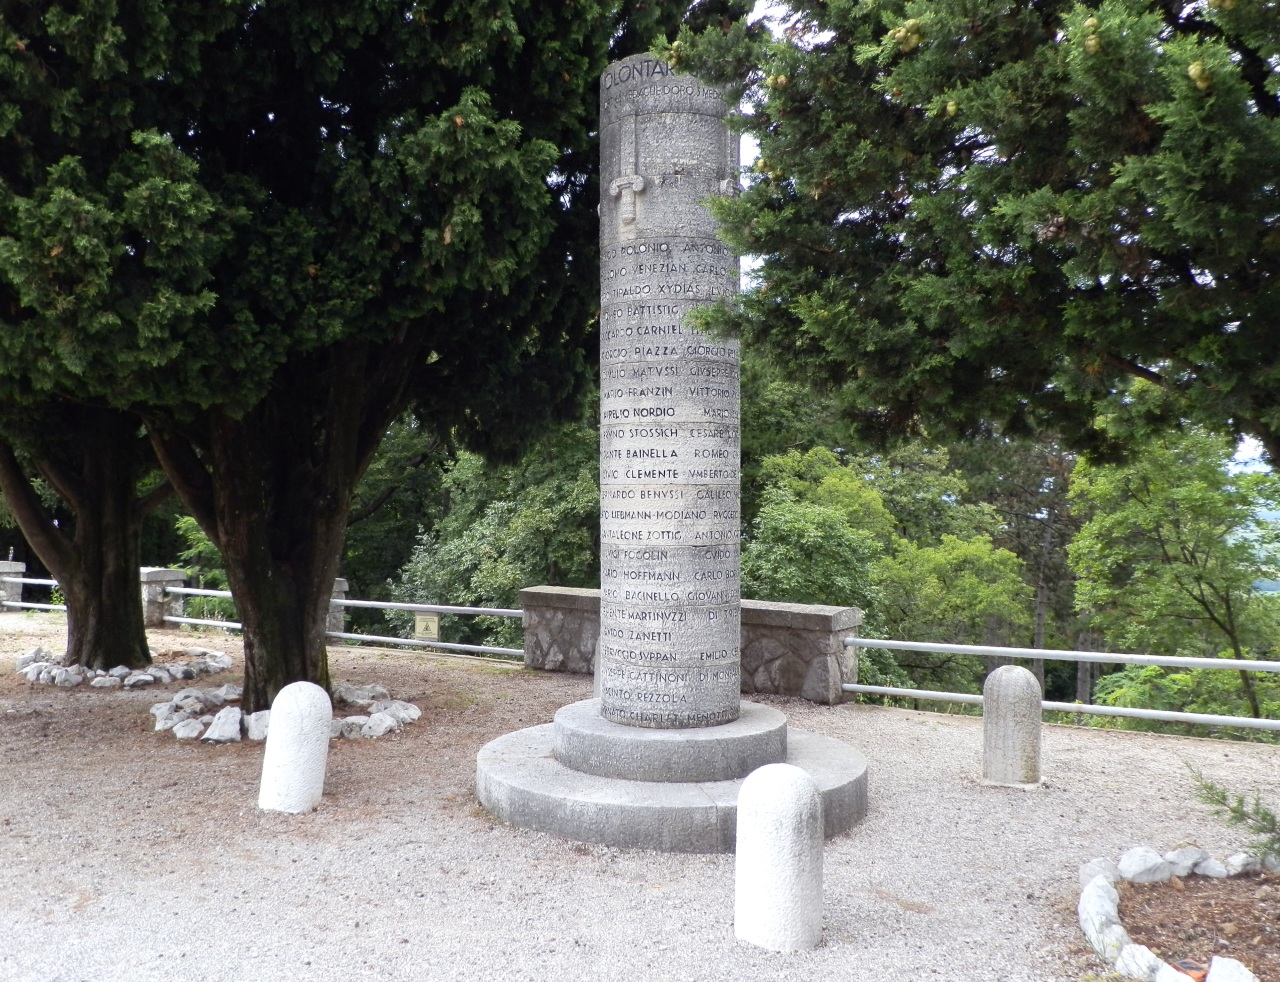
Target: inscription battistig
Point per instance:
(669, 417)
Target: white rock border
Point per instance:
(1098, 909)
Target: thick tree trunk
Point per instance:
(95, 470)
(273, 488)
(104, 595)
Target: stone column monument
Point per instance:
(669, 459)
(657, 761)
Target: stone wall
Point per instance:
(787, 649)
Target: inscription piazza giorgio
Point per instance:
(669, 397)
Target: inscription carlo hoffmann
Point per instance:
(669, 430)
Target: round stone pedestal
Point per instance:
(521, 779)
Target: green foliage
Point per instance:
(827, 533)
(1168, 561)
(401, 490)
(1001, 215)
(1173, 545)
(506, 528)
(960, 591)
(1238, 810)
(203, 565)
(802, 552)
(1196, 690)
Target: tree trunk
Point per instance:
(95, 469)
(272, 489)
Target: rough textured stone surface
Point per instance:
(1183, 861)
(188, 729)
(353, 727)
(30, 658)
(225, 727)
(519, 780)
(105, 682)
(1099, 867)
(787, 649)
(401, 712)
(363, 696)
(778, 862)
(379, 724)
(1228, 970)
(1142, 864)
(1138, 962)
(586, 742)
(669, 407)
(1097, 913)
(1242, 862)
(257, 724)
(1212, 868)
(297, 750)
(1011, 727)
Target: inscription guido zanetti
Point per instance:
(669, 417)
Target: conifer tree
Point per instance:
(976, 213)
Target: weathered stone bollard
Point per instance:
(1011, 728)
(297, 749)
(778, 868)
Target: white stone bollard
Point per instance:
(1011, 728)
(297, 749)
(777, 900)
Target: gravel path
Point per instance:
(130, 856)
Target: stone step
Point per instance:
(519, 780)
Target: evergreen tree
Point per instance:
(981, 213)
(270, 228)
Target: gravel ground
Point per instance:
(128, 855)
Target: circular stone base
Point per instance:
(584, 741)
(519, 780)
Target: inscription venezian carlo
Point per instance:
(669, 416)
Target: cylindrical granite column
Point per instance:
(669, 419)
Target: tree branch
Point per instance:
(49, 542)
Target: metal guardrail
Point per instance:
(1052, 654)
(443, 647)
(33, 582)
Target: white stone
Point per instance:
(138, 679)
(183, 672)
(217, 661)
(335, 728)
(1099, 867)
(1271, 863)
(225, 727)
(188, 729)
(1142, 864)
(1097, 914)
(380, 724)
(1242, 862)
(256, 724)
(120, 672)
(206, 719)
(1211, 868)
(401, 712)
(229, 692)
(160, 708)
(212, 698)
(297, 750)
(46, 674)
(66, 679)
(1183, 861)
(1167, 973)
(189, 693)
(167, 721)
(1139, 962)
(1228, 970)
(33, 672)
(778, 864)
(1011, 728)
(29, 658)
(161, 675)
(190, 705)
(359, 695)
(105, 682)
(353, 727)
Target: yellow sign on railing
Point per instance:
(426, 627)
